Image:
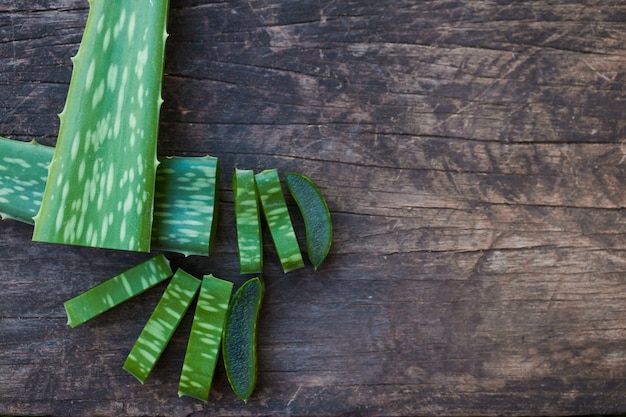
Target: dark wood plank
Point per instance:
(472, 154)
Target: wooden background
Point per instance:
(472, 154)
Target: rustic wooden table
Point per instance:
(472, 154)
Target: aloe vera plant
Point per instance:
(103, 186)
(186, 199)
(102, 176)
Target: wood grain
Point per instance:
(472, 154)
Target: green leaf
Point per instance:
(116, 290)
(186, 198)
(23, 173)
(161, 326)
(186, 205)
(205, 338)
(278, 219)
(248, 222)
(102, 176)
(239, 340)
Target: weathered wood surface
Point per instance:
(472, 154)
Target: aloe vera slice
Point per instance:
(248, 222)
(205, 338)
(159, 329)
(185, 216)
(314, 210)
(102, 176)
(116, 290)
(23, 173)
(278, 219)
(239, 340)
(186, 205)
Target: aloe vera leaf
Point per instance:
(278, 219)
(248, 222)
(180, 212)
(186, 205)
(101, 179)
(159, 329)
(116, 290)
(205, 338)
(239, 339)
(314, 210)
(23, 173)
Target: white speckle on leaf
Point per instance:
(107, 40)
(91, 71)
(75, 146)
(110, 179)
(112, 77)
(140, 95)
(100, 24)
(120, 24)
(142, 60)
(123, 230)
(128, 203)
(98, 95)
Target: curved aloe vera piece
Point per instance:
(314, 210)
(23, 173)
(161, 326)
(248, 221)
(239, 339)
(101, 180)
(186, 205)
(185, 210)
(116, 290)
(205, 339)
(278, 219)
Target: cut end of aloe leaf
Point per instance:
(138, 376)
(197, 397)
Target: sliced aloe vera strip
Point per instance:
(239, 340)
(102, 176)
(23, 173)
(314, 210)
(278, 219)
(205, 338)
(161, 326)
(248, 222)
(116, 290)
(23, 176)
(186, 205)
